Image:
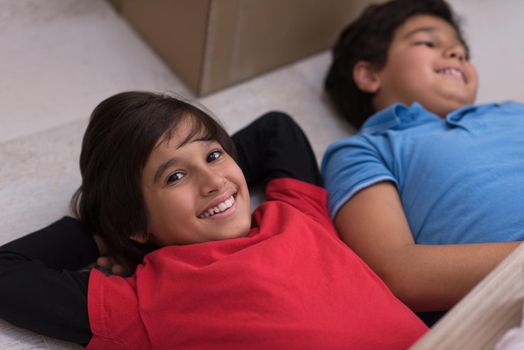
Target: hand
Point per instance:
(111, 265)
(105, 262)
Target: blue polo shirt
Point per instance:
(460, 178)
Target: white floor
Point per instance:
(59, 58)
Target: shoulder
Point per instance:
(493, 108)
(487, 112)
(293, 190)
(511, 106)
(296, 198)
(396, 122)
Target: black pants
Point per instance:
(274, 146)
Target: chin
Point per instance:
(237, 232)
(448, 106)
(458, 99)
(244, 231)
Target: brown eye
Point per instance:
(175, 177)
(427, 43)
(214, 156)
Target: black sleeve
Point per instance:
(40, 289)
(274, 146)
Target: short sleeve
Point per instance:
(354, 163)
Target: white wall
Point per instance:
(494, 30)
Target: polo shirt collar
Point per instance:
(396, 116)
(399, 116)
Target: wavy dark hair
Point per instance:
(368, 38)
(122, 132)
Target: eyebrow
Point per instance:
(163, 167)
(421, 29)
(172, 161)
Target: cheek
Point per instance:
(154, 213)
(237, 177)
(473, 78)
(405, 69)
(166, 209)
(240, 179)
(178, 204)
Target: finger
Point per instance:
(103, 261)
(118, 269)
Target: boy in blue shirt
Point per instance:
(429, 192)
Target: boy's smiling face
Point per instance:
(194, 191)
(428, 64)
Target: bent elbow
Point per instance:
(406, 289)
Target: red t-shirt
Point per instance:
(290, 284)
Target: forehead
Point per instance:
(174, 148)
(425, 24)
(187, 129)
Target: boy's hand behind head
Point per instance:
(111, 266)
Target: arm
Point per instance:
(38, 289)
(274, 146)
(425, 277)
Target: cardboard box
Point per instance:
(211, 44)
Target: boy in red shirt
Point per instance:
(162, 189)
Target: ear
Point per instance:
(366, 77)
(140, 237)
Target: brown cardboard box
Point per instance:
(211, 44)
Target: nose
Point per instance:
(457, 52)
(210, 181)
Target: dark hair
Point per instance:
(122, 132)
(368, 38)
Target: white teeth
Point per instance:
(452, 71)
(228, 203)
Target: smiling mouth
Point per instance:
(454, 72)
(219, 208)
